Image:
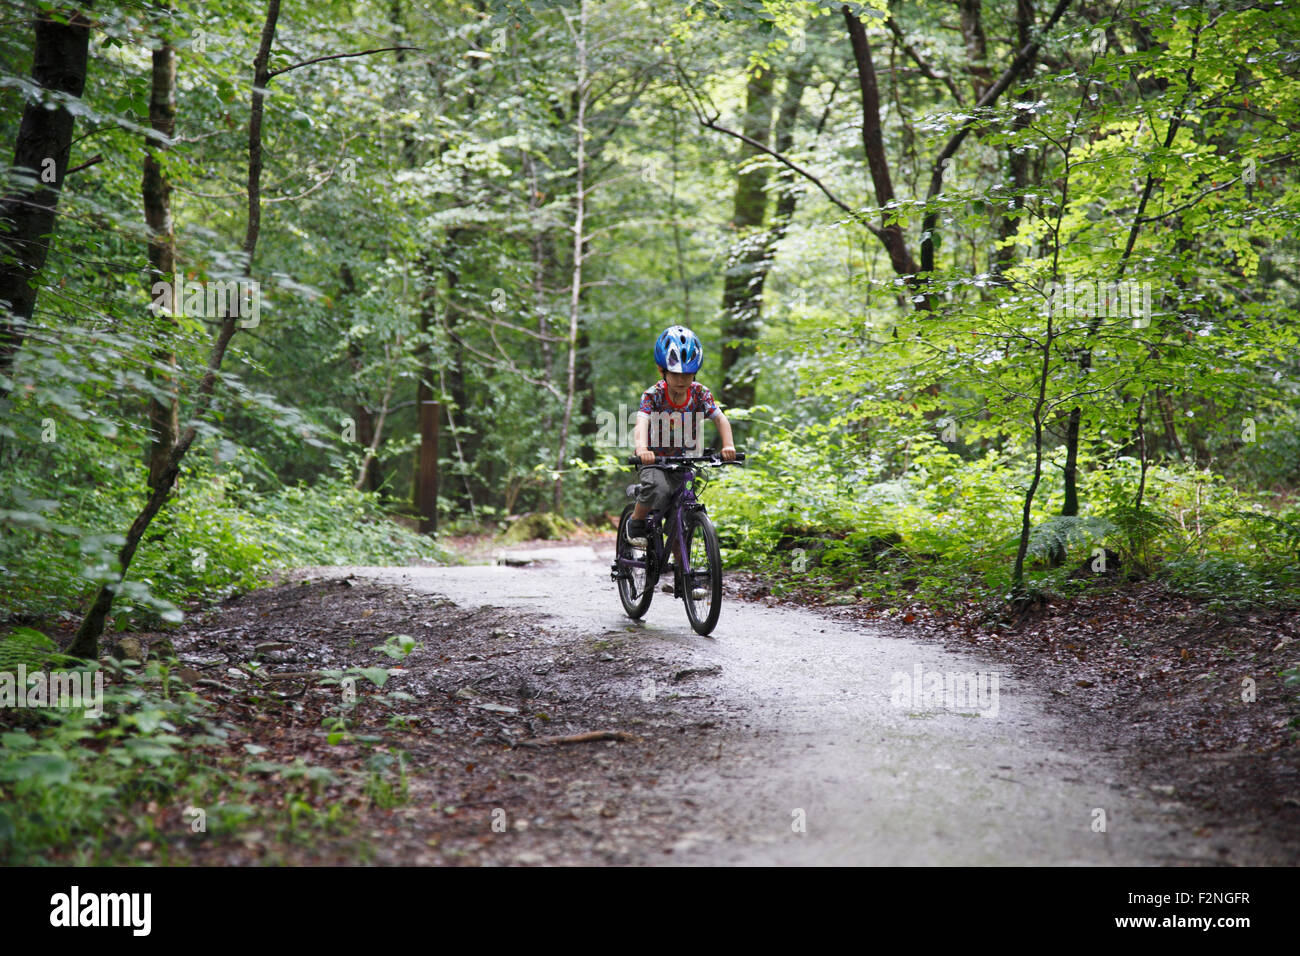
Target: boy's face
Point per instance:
(679, 379)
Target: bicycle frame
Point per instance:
(674, 542)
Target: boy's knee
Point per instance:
(654, 488)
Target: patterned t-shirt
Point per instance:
(676, 429)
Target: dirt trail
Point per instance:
(823, 755)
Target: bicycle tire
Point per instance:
(635, 595)
(702, 540)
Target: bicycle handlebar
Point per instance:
(709, 457)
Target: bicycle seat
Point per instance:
(632, 489)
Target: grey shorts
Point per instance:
(657, 487)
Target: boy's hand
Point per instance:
(728, 452)
(647, 457)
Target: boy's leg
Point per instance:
(653, 495)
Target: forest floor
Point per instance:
(468, 763)
(486, 690)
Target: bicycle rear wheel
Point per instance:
(702, 587)
(636, 586)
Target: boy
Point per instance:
(676, 407)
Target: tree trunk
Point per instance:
(426, 485)
(1025, 56)
(579, 242)
(746, 312)
(1017, 159)
(164, 413)
(44, 145)
(460, 454)
(741, 303)
(425, 474)
(586, 386)
(540, 243)
(377, 428)
(1018, 574)
(86, 642)
(465, 438)
(873, 144)
(361, 414)
(972, 31)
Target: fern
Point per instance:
(32, 649)
(1060, 533)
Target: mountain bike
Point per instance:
(686, 547)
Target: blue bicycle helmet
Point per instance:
(678, 349)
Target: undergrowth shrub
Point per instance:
(798, 513)
(218, 534)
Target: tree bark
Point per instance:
(579, 244)
(465, 437)
(86, 642)
(377, 428)
(424, 475)
(44, 135)
(540, 243)
(163, 413)
(1017, 159)
(426, 488)
(741, 303)
(361, 414)
(1022, 548)
(746, 310)
(873, 143)
(587, 428)
(972, 31)
(786, 118)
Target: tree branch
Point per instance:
(712, 124)
(97, 158)
(338, 56)
(925, 67)
(990, 97)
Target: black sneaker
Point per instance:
(636, 532)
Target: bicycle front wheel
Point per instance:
(702, 585)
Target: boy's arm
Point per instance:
(724, 433)
(641, 436)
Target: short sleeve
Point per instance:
(647, 402)
(705, 402)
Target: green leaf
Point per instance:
(376, 675)
(45, 770)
